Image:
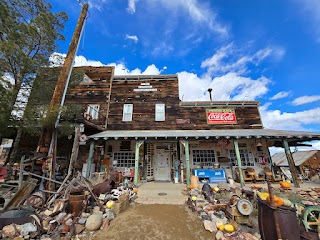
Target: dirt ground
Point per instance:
(155, 222)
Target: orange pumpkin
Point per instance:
(277, 201)
(191, 187)
(285, 185)
(256, 186)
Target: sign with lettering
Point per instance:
(182, 121)
(221, 116)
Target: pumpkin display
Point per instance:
(229, 228)
(285, 185)
(277, 201)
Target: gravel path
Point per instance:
(156, 222)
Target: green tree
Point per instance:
(28, 36)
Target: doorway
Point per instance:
(162, 164)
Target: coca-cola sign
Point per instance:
(221, 116)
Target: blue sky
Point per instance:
(265, 50)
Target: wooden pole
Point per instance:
(136, 162)
(236, 148)
(61, 88)
(291, 163)
(188, 174)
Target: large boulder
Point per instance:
(94, 222)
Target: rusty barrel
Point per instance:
(76, 204)
(277, 222)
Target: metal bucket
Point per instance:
(277, 222)
(76, 204)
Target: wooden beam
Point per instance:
(136, 162)
(291, 163)
(236, 148)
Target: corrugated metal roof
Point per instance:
(299, 157)
(232, 133)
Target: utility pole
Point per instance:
(60, 90)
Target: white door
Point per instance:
(162, 165)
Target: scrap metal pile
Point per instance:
(76, 210)
(232, 212)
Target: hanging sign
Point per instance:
(262, 159)
(221, 116)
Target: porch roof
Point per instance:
(217, 134)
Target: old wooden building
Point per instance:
(139, 122)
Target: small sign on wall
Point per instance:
(221, 116)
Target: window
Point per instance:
(245, 155)
(124, 159)
(203, 157)
(125, 145)
(160, 112)
(93, 112)
(127, 112)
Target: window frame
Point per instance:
(160, 116)
(96, 115)
(203, 157)
(247, 158)
(125, 118)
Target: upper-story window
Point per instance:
(93, 112)
(160, 112)
(127, 112)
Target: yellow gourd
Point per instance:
(229, 228)
(194, 198)
(110, 204)
(221, 227)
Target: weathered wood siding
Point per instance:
(247, 117)
(144, 103)
(178, 115)
(96, 91)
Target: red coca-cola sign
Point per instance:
(221, 116)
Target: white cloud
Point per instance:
(280, 95)
(305, 99)
(97, 4)
(232, 59)
(132, 6)
(224, 88)
(198, 11)
(57, 59)
(132, 37)
(312, 12)
(276, 119)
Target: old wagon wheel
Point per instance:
(311, 218)
(299, 206)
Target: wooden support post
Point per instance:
(291, 163)
(89, 162)
(236, 148)
(136, 162)
(185, 143)
(145, 161)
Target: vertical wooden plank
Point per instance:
(136, 162)
(186, 147)
(291, 162)
(89, 162)
(236, 148)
